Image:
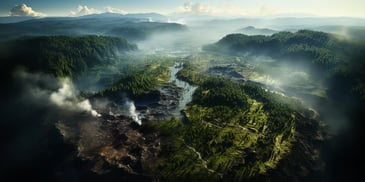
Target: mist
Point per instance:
(110, 130)
(299, 81)
(278, 75)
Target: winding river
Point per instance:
(188, 90)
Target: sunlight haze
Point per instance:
(260, 8)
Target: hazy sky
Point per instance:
(354, 8)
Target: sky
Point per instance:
(236, 8)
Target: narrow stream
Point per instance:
(188, 90)
(204, 162)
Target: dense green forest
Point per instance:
(88, 60)
(338, 64)
(305, 46)
(330, 57)
(231, 132)
(61, 56)
(141, 77)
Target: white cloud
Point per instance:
(24, 10)
(226, 9)
(196, 8)
(84, 10)
(266, 11)
(115, 10)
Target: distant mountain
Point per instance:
(318, 21)
(14, 19)
(149, 16)
(287, 23)
(139, 16)
(110, 24)
(102, 15)
(142, 30)
(250, 30)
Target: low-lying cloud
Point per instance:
(115, 10)
(24, 10)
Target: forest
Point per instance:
(61, 56)
(232, 138)
(336, 61)
(93, 100)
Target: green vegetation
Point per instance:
(232, 132)
(336, 61)
(194, 68)
(225, 93)
(318, 48)
(88, 60)
(191, 74)
(62, 56)
(142, 78)
(128, 28)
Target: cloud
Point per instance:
(196, 8)
(84, 10)
(24, 10)
(226, 9)
(267, 11)
(115, 10)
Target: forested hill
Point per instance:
(130, 28)
(336, 62)
(328, 56)
(320, 48)
(61, 55)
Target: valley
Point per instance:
(158, 101)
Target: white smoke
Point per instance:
(132, 112)
(66, 97)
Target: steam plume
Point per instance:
(65, 96)
(132, 112)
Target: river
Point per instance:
(188, 90)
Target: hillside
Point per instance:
(236, 132)
(131, 27)
(251, 30)
(81, 102)
(322, 49)
(60, 55)
(336, 63)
